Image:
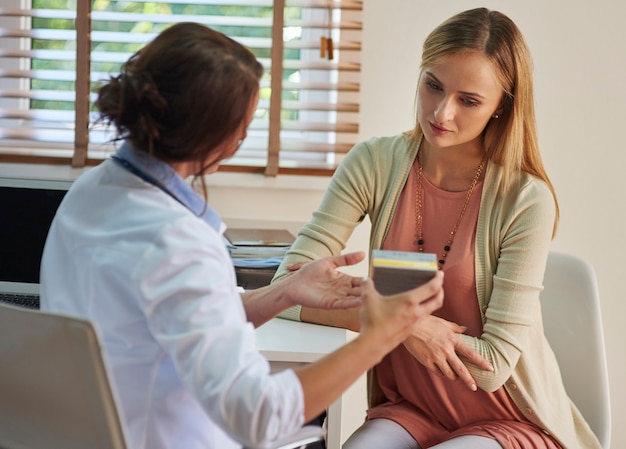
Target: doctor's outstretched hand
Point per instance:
(316, 284)
(319, 284)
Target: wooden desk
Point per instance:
(288, 344)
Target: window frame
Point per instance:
(346, 94)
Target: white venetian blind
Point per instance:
(55, 53)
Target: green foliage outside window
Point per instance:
(165, 8)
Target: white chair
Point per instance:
(54, 387)
(570, 306)
(55, 391)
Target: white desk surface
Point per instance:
(288, 344)
(283, 340)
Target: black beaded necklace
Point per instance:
(419, 203)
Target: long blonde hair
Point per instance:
(511, 140)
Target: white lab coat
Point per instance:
(158, 283)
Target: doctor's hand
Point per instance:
(319, 284)
(437, 346)
(389, 320)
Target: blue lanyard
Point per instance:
(182, 193)
(144, 176)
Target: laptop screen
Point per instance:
(28, 207)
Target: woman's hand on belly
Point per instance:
(437, 346)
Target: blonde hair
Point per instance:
(511, 140)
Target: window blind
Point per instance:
(55, 53)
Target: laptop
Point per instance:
(27, 207)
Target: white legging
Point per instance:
(384, 433)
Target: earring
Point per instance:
(496, 116)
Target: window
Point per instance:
(54, 54)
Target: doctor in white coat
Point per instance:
(135, 249)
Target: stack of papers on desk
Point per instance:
(278, 238)
(258, 248)
(267, 262)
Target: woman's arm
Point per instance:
(344, 205)
(345, 319)
(517, 261)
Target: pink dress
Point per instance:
(434, 409)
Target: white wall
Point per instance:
(580, 70)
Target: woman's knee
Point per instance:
(377, 433)
(469, 442)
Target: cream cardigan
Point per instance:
(512, 242)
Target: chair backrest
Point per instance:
(570, 306)
(54, 388)
(55, 391)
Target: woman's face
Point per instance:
(456, 99)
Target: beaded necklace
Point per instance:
(419, 200)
